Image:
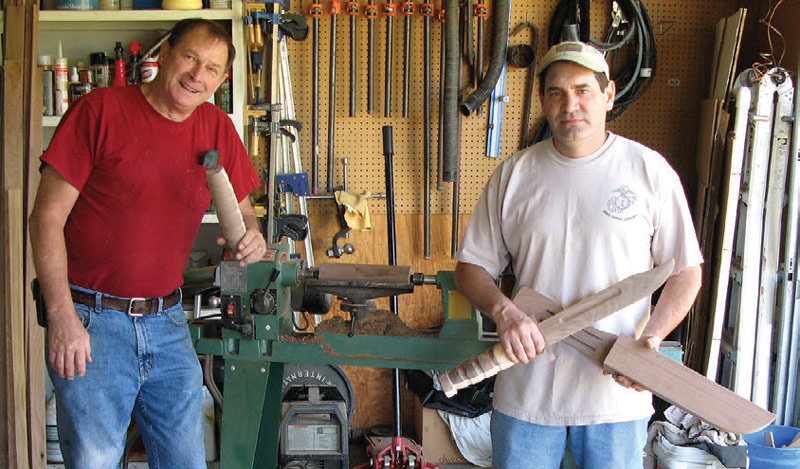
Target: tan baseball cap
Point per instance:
(579, 53)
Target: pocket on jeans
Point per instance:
(84, 313)
(176, 315)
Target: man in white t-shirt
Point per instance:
(574, 214)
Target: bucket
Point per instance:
(669, 456)
(766, 457)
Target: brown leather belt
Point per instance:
(132, 306)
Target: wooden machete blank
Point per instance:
(687, 389)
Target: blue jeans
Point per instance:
(141, 366)
(517, 444)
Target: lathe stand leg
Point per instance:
(251, 414)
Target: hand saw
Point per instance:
(572, 319)
(659, 374)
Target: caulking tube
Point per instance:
(61, 81)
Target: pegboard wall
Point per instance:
(665, 118)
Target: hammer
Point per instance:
(224, 199)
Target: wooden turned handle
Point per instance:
(228, 212)
(484, 365)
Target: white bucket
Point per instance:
(669, 456)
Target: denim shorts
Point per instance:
(518, 445)
(143, 367)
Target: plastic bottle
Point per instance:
(119, 67)
(149, 68)
(74, 83)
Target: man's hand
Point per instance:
(251, 248)
(652, 342)
(69, 345)
(520, 335)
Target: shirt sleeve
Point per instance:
(675, 236)
(483, 243)
(71, 150)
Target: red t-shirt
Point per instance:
(143, 191)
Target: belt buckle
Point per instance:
(130, 307)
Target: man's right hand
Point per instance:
(519, 334)
(69, 344)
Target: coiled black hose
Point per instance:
(633, 80)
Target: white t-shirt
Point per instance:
(572, 227)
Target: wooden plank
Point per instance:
(34, 334)
(685, 388)
(726, 54)
(363, 272)
(13, 304)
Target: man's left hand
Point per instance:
(251, 248)
(652, 342)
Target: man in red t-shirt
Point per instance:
(121, 197)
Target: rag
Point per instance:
(356, 212)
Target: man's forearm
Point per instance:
(480, 289)
(50, 259)
(674, 303)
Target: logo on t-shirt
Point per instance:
(619, 205)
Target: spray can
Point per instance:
(61, 82)
(45, 63)
(149, 69)
(100, 69)
(119, 67)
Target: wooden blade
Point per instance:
(685, 388)
(595, 307)
(591, 342)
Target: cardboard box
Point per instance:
(434, 435)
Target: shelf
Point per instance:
(122, 20)
(130, 15)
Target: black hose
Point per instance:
(499, 47)
(452, 60)
(583, 17)
(637, 77)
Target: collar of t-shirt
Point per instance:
(583, 160)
